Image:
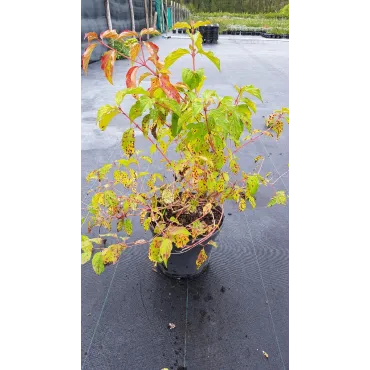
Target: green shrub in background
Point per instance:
(285, 11)
(122, 46)
(273, 22)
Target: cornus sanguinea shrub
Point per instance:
(207, 130)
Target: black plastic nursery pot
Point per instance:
(173, 31)
(182, 263)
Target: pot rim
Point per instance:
(197, 240)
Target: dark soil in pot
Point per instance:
(182, 262)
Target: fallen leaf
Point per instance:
(171, 326)
(265, 354)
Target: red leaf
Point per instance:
(91, 36)
(107, 64)
(109, 34)
(86, 56)
(127, 33)
(131, 77)
(152, 48)
(168, 88)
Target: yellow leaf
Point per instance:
(207, 208)
(149, 31)
(242, 205)
(167, 196)
(202, 257)
(165, 250)
(143, 76)
(259, 157)
(109, 34)
(181, 25)
(105, 114)
(201, 23)
(86, 56)
(128, 142)
(134, 51)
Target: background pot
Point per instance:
(181, 264)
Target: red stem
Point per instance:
(137, 126)
(250, 141)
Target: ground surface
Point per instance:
(239, 306)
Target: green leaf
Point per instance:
(192, 78)
(279, 198)
(172, 57)
(154, 250)
(128, 142)
(172, 105)
(82, 220)
(165, 250)
(217, 119)
(119, 225)
(211, 57)
(105, 114)
(197, 107)
(175, 127)
(199, 41)
(252, 184)
(129, 91)
(141, 105)
(127, 162)
(250, 89)
(185, 116)
(86, 245)
(127, 225)
(251, 104)
(146, 224)
(85, 257)
(97, 263)
(252, 201)
(209, 94)
(110, 198)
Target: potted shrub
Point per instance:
(184, 209)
